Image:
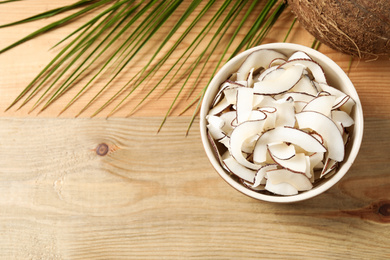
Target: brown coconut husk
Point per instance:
(356, 27)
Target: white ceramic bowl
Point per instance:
(335, 77)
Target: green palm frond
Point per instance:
(118, 33)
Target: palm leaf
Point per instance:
(94, 50)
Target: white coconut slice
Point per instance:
(281, 150)
(321, 86)
(318, 137)
(284, 189)
(249, 144)
(228, 118)
(215, 121)
(270, 120)
(216, 133)
(329, 166)
(298, 106)
(256, 60)
(278, 81)
(257, 100)
(285, 134)
(325, 127)
(296, 96)
(297, 180)
(268, 110)
(244, 104)
(242, 172)
(239, 135)
(285, 113)
(219, 94)
(266, 72)
(305, 85)
(276, 62)
(297, 163)
(218, 108)
(214, 126)
(225, 85)
(225, 141)
(250, 80)
(315, 162)
(257, 115)
(321, 104)
(266, 101)
(230, 94)
(313, 67)
(342, 117)
(345, 104)
(299, 55)
(259, 176)
(308, 171)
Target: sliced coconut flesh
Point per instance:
(345, 104)
(313, 67)
(281, 150)
(297, 180)
(257, 59)
(285, 134)
(278, 81)
(260, 175)
(239, 170)
(228, 118)
(266, 72)
(321, 104)
(244, 104)
(299, 55)
(297, 163)
(296, 96)
(239, 135)
(221, 106)
(285, 113)
(305, 85)
(284, 189)
(325, 127)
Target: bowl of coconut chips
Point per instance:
(281, 122)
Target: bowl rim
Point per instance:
(357, 132)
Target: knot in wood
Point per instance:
(384, 209)
(102, 149)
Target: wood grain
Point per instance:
(155, 196)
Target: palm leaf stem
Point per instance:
(289, 29)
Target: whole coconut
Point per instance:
(356, 27)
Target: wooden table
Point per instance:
(115, 189)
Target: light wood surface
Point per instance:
(115, 189)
